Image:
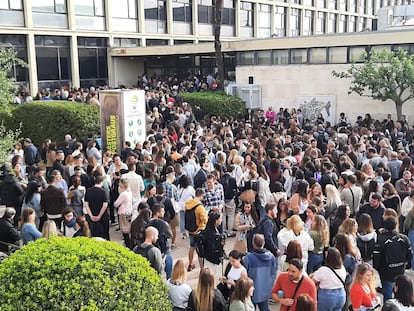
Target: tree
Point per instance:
(218, 8)
(8, 59)
(383, 75)
(8, 139)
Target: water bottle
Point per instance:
(280, 293)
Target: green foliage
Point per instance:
(8, 59)
(383, 75)
(8, 138)
(79, 274)
(215, 103)
(54, 119)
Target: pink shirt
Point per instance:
(124, 203)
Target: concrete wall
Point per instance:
(127, 70)
(282, 84)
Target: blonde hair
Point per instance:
(295, 224)
(361, 270)
(347, 226)
(204, 293)
(332, 195)
(179, 273)
(49, 229)
(321, 226)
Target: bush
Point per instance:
(54, 119)
(79, 274)
(215, 103)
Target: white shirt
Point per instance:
(327, 279)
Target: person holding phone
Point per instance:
(362, 292)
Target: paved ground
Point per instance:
(181, 252)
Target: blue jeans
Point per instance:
(331, 299)
(314, 262)
(387, 289)
(182, 222)
(411, 237)
(168, 264)
(263, 306)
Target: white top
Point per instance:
(400, 306)
(235, 273)
(327, 279)
(179, 294)
(185, 195)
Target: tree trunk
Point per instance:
(398, 106)
(217, 44)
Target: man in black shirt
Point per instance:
(96, 204)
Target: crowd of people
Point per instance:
(316, 211)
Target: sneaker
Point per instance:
(184, 236)
(114, 223)
(190, 267)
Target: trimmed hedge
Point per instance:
(79, 274)
(215, 103)
(54, 119)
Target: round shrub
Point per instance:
(79, 274)
(215, 103)
(54, 119)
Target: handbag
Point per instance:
(248, 196)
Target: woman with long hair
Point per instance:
(299, 200)
(362, 290)
(333, 201)
(311, 212)
(246, 220)
(366, 237)
(28, 228)
(315, 192)
(124, 206)
(320, 236)
(330, 280)
(283, 213)
(391, 197)
(344, 212)
(293, 250)
(241, 298)
(178, 290)
(349, 227)
(214, 243)
(205, 297)
(295, 231)
(32, 199)
(343, 244)
(275, 173)
(403, 295)
(372, 188)
(76, 195)
(138, 226)
(263, 181)
(185, 192)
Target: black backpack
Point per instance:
(190, 219)
(366, 248)
(200, 242)
(395, 251)
(143, 251)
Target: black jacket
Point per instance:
(8, 234)
(213, 245)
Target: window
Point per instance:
(11, 5)
(52, 58)
(355, 53)
(308, 23)
(125, 9)
(352, 24)
(205, 12)
(362, 5)
(246, 14)
(317, 56)
(246, 58)
(49, 6)
(337, 55)
(332, 23)
(264, 21)
(294, 22)
(18, 43)
(155, 42)
(362, 24)
(332, 4)
(281, 57)
(280, 21)
(126, 42)
(342, 23)
(321, 4)
(320, 23)
(352, 6)
(155, 9)
(298, 56)
(264, 57)
(228, 13)
(342, 5)
(307, 2)
(182, 11)
(91, 7)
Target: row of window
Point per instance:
(53, 59)
(322, 55)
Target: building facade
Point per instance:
(68, 42)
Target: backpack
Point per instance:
(366, 248)
(200, 243)
(395, 250)
(143, 251)
(190, 219)
(229, 186)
